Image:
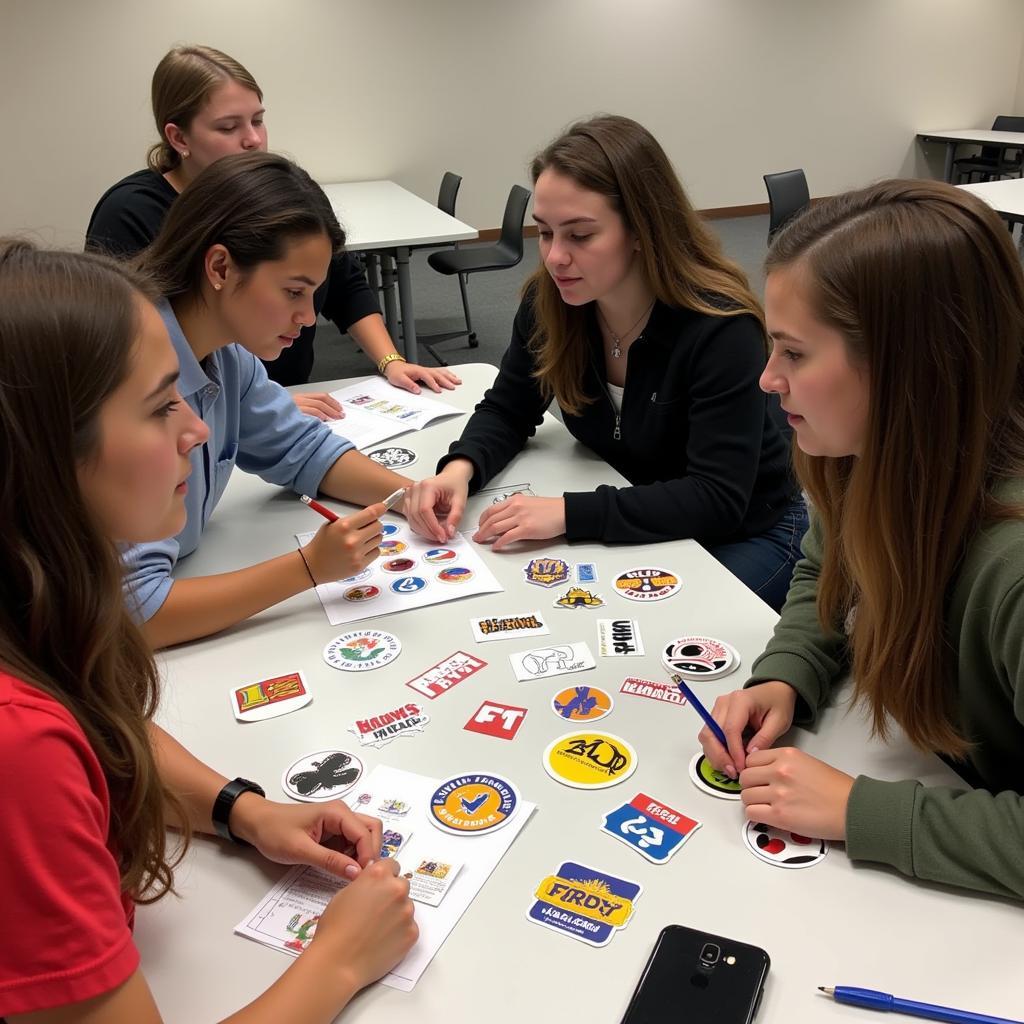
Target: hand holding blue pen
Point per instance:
(872, 1000)
(701, 710)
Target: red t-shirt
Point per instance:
(66, 932)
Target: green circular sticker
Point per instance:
(706, 779)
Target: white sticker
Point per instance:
(431, 880)
(783, 849)
(619, 638)
(556, 660)
(270, 697)
(362, 650)
(507, 627)
(383, 727)
(325, 775)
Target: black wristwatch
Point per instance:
(226, 800)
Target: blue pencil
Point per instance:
(701, 710)
(872, 1000)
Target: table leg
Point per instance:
(372, 272)
(950, 154)
(405, 301)
(387, 273)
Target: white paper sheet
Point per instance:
(303, 892)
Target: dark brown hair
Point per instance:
(682, 260)
(182, 83)
(922, 281)
(68, 328)
(254, 204)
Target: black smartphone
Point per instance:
(698, 978)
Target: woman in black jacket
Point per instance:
(651, 343)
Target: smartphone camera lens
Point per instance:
(710, 954)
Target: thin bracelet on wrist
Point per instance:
(309, 571)
(393, 357)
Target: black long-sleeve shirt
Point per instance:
(129, 216)
(696, 440)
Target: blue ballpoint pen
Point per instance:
(872, 1000)
(702, 711)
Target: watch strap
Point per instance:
(226, 801)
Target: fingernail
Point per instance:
(370, 861)
(730, 770)
(352, 870)
(753, 750)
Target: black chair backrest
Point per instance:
(1004, 123)
(448, 191)
(512, 223)
(787, 196)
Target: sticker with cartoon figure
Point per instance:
(362, 650)
(547, 572)
(557, 660)
(390, 808)
(301, 928)
(783, 849)
(582, 703)
(577, 597)
(473, 804)
(590, 760)
(270, 697)
(712, 782)
(584, 903)
(325, 775)
(429, 882)
(392, 841)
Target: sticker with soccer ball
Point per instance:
(712, 782)
(322, 776)
(582, 704)
(783, 849)
(360, 651)
(646, 584)
(699, 658)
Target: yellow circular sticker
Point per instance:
(590, 760)
(473, 803)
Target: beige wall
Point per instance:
(404, 89)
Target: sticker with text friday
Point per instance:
(383, 727)
(506, 627)
(655, 830)
(619, 638)
(270, 697)
(668, 693)
(556, 660)
(584, 903)
(446, 674)
(494, 719)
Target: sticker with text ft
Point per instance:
(494, 719)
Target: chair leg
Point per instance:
(471, 334)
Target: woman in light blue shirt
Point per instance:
(238, 258)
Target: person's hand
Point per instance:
(328, 836)
(767, 708)
(319, 404)
(442, 497)
(405, 375)
(346, 547)
(367, 927)
(521, 517)
(791, 790)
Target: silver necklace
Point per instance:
(616, 339)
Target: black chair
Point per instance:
(465, 260)
(994, 161)
(787, 196)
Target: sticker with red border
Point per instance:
(652, 828)
(473, 804)
(582, 704)
(446, 674)
(667, 693)
(494, 719)
(269, 698)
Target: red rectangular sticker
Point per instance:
(446, 674)
(494, 719)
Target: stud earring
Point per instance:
(185, 154)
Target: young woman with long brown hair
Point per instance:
(94, 445)
(651, 343)
(897, 320)
(207, 105)
(238, 259)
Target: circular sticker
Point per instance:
(781, 848)
(398, 564)
(361, 651)
(456, 574)
(408, 585)
(357, 594)
(393, 458)
(388, 529)
(324, 775)
(590, 760)
(699, 657)
(473, 804)
(388, 548)
(582, 703)
(715, 783)
(646, 584)
(437, 556)
(359, 576)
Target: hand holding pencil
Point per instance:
(343, 547)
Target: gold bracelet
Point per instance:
(394, 357)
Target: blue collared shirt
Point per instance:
(253, 422)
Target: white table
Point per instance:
(970, 137)
(1005, 197)
(382, 217)
(836, 923)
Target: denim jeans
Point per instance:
(765, 562)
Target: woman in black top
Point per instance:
(652, 344)
(207, 105)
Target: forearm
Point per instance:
(195, 784)
(207, 604)
(371, 335)
(356, 479)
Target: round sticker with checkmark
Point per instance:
(473, 804)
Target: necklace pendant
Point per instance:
(616, 348)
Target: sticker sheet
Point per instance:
(446, 872)
(411, 572)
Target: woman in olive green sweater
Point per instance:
(897, 321)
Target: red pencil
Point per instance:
(322, 509)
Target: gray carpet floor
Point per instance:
(493, 299)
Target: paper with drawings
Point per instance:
(287, 916)
(376, 411)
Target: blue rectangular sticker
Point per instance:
(586, 572)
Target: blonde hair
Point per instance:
(182, 83)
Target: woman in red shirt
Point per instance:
(94, 444)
